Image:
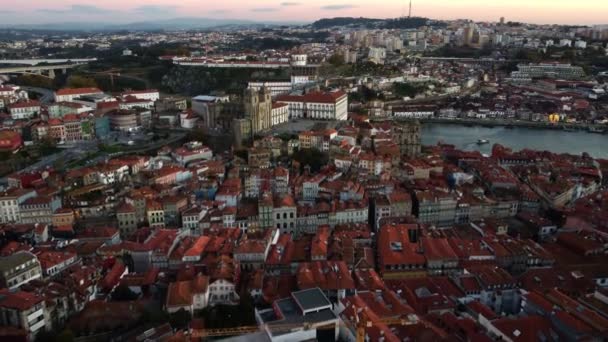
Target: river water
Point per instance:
(465, 138)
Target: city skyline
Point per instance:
(588, 12)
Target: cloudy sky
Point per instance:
(538, 11)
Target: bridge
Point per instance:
(38, 69)
(478, 61)
(47, 61)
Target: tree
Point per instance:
(77, 81)
(52, 336)
(154, 316)
(336, 60)
(66, 336)
(38, 81)
(180, 319)
(123, 293)
(407, 89)
(311, 157)
(198, 135)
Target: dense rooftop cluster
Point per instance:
(447, 240)
(306, 207)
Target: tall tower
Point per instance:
(409, 15)
(408, 137)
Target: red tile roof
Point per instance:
(525, 328)
(19, 300)
(327, 275)
(395, 248)
(24, 104)
(182, 293)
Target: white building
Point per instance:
(377, 55)
(149, 94)
(580, 44)
(310, 187)
(279, 113)
(413, 114)
(24, 110)
(188, 119)
(192, 217)
(299, 60)
(69, 94)
(317, 105)
(302, 79)
(18, 269)
(191, 152)
(131, 102)
(9, 204)
(275, 87)
(189, 295)
(285, 214)
(222, 291)
(24, 310)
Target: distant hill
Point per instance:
(344, 21)
(186, 23)
(398, 23)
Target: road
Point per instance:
(47, 94)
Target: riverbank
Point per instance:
(490, 123)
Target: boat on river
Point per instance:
(595, 129)
(483, 141)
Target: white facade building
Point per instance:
(150, 94)
(299, 60)
(24, 110)
(275, 88)
(279, 113)
(317, 105)
(9, 204)
(69, 94)
(377, 55)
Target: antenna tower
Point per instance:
(410, 12)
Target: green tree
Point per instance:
(180, 319)
(65, 336)
(198, 135)
(38, 81)
(407, 89)
(311, 157)
(336, 60)
(154, 316)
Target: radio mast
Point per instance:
(410, 12)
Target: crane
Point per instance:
(411, 319)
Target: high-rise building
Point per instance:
(502, 20)
(469, 34)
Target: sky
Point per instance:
(534, 11)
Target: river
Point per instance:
(465, 138)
